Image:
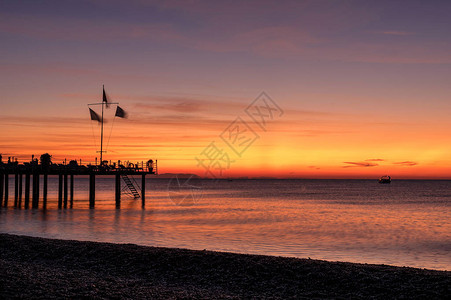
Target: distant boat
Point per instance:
(385, 179)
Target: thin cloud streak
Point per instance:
(188, 105)
(86, 30)
(406, 163)
(32, 121)
(395, 32)
(359, 164)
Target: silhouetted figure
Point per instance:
(46, 160)
(73, 164)
(34, 161)
(150, 165)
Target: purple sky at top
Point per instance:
(225, 47)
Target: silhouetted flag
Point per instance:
(105, 99)
(120, 112)
(94, 116)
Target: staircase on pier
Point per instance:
(131, 187)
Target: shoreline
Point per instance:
(41, 268)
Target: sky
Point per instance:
(346, 89)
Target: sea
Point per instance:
(405, 223)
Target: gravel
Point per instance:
(33, 267)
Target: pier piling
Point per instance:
(44, 196)
(118, 190)
(60, 191)
(35, 200)
(27, 190)
(20, 190)
(6, 189)
(143, 190)
(65, 190)
(37, 190)
(16, 189)
(71, 190)
(2, 183)
(33, 190)
(92, 190)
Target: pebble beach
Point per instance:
(46, 268)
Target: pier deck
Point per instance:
(66, 172)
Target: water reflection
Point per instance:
(403, 224)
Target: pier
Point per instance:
(32, 172)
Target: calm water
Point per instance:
(406, 223)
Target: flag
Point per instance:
(94, 116)
(120, 113)
(105, 98)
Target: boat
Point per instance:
(385, 179)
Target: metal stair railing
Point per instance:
(131, 186)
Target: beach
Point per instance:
(47, 268)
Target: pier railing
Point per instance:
(76, 169)
(67, 172)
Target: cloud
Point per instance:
(406, 163)
(187, 105)
(264, 41)
(180, 106)
(395, 32)
(47, 121)
(375, 159)
(87, 30)
(359, 164)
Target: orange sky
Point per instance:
(364, 89)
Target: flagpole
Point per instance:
(96, 117)
(101, 134)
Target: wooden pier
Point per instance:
(66, 174)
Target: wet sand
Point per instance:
(42, 268)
